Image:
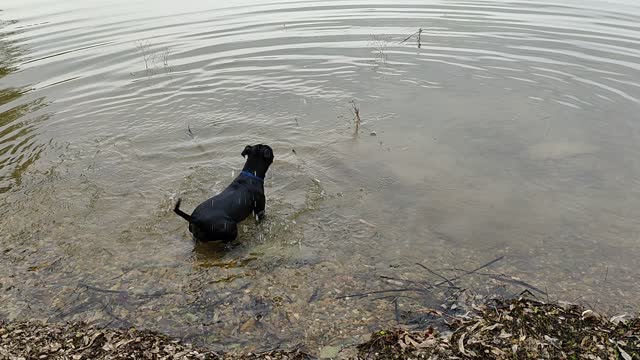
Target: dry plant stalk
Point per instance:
(380, 44)
(154, 59)
(356, 116)
(143, 48)
(418, 35)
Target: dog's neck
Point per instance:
(256, 167)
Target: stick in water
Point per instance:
(472, 271)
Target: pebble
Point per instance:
(329, 352)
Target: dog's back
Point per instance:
(217, 217)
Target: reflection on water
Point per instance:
(511, 130)
(19, 147)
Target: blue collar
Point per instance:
(251, 175)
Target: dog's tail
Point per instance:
(181, 213)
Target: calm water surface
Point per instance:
(513, 130)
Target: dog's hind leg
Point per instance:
(229, 232)
(223, 230)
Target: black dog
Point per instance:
(218, 217)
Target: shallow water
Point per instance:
(512, 130)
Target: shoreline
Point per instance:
(521, 328)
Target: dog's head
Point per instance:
(258, 154)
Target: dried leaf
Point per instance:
(618, 319)
(476, 325)
(491, 327)
(402, 342)
(425, 343)
(589, 314)
(550, 339)
(462, 349)
(461, 344)
(122, 343)
(624, 354)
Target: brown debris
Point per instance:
(36, 340)
(516, 329)
(33, 340)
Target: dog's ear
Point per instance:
(247, 150)
(267, 153)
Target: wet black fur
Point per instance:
(218, 217)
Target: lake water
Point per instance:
(512, 130)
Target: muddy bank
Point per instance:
(519, 328)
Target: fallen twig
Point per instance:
(409, 37)
(122, 292)
(422, 283)
(438, 275)
(470, 272)
(396, 311)
(387, 297)
(504, 278)
(511, 280)
(380, 292)
(108, 309)
(418, 37)
(106, 291)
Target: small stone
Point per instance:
(191, 317)
(248, 325)
(329, 352)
